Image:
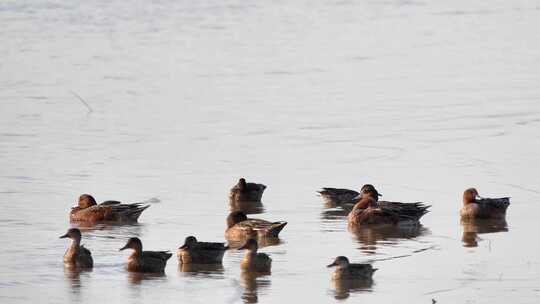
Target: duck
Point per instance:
(253, 260)
(342, 196)
(477, 207)
(239, 226)
(350, 271)
(244, 191)
(370, 211)
(196, 252)
(77, 256)
(145, 261)
(88, 211)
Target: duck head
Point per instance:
(242, 184)
(86, 200)
(235, 218)
(251, 245)
(470, 196)
(74, 234)
(340, 261)
(190, 240)
(369, 190)
(133, 243)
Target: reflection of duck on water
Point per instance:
(369, 237)
(252, 282)
(201, 269)
(473, 227)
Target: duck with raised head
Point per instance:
(370, 211)
(350, 271)
(239, 226)
(477, 207)
(196, 252)
(244, 191)
(253, 260)
(341, 196)
(145, 261)
(77, 255)
(88, 211)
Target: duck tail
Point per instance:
(276, 228)
(134, 212)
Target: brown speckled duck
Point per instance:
(145, 261)
(253, 260)
(244, 191)
(77, 255)
(88, 211)
(370, 211)
(349, 271)
(477, 207)
(196, 252)
(239, 226)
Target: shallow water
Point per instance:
(422, 99)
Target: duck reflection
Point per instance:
(136, 278)
(371, 236)
(248, 207)
(203, 270)
(252, 282)
(473, 227)
(343, 288)
(73, 276)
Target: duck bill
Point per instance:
(123, 248)
(379, 194)
(331, 265)
(478, 197)
(64, 236)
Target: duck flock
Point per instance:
(245, 233)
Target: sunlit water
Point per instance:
(422, 99)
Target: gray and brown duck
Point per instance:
(195, 252)
(477, 207)
(246, 192)
(77, 256)
(145, 261)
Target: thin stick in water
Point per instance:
(82, 100)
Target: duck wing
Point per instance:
(158, 255)
(271, 229)
(495, 203)
(339, 195)
(406, 211)
(128, 212)
(210, 246)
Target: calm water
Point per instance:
(422, 99)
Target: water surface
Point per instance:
(422, 99)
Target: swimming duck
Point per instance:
(89, 211)
(340, 196)
(240, 227)
(197, 252)
(244, 191)
(370, 211)
(77, 255)
(254, 261)
(349, 271)
(145, 261)
(475, 206)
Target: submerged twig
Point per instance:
(83, 101)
